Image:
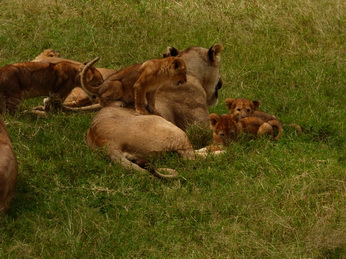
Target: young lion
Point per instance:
(138, 83)
(227, 127)
(8, 168)
(32, 79)
(247, 108)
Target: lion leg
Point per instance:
(118, 157)
(162, 173)
(140, 99)
(12, 103)
(187, 153)
(265, 129)
(151, 102)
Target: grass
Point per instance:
(262, 199)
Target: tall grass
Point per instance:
(262, 199)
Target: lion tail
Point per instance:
(278, 126)
(296, 126)
(141, 166)
(91, 91)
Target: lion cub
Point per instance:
(138, 83)
(227, 127)
(247, 108)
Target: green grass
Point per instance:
(261, 199)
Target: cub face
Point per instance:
(177, 71)
(224, 128)
(245, 107)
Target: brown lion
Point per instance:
(130, 139)
(32, 79)
(138, 83)
(8, 168)
(78, 97)
(247, 108)
(188, 104)
(228, 127)
(52, 56)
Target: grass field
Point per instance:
(262, 199)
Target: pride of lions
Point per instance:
(144, 109)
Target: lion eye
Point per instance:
(238, 109)
(248, 110)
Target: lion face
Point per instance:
(204, 65)
(224, 128)
(243, 106)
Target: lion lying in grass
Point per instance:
(138, 83)
(247, 108)
(130, 138)
(32, 79)
(8, 169)
(78, 97)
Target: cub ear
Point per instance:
(178, 63)
(229, 102)
(256, 104)
(171, 52)
(214, 52)
(213, 118)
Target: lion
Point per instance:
(138, 83)
(78, 97)
(32, 79)
(130, 138)
(52, 56)
(248, 108)
(188, 104)
(8, 168)
(228, 127)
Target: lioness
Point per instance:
(51, 56)
(188, 104)
(248, 108)
(8, 168)
(138, 83)
(78, 97)
(128, 137)
(32, 79)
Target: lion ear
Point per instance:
(214, 52)
(229, 102)
(171, 52)
(178, 63)
(256, 104)
(213, 118)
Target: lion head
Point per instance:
(224, 127)
(244, 106)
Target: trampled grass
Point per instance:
(261, 199)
